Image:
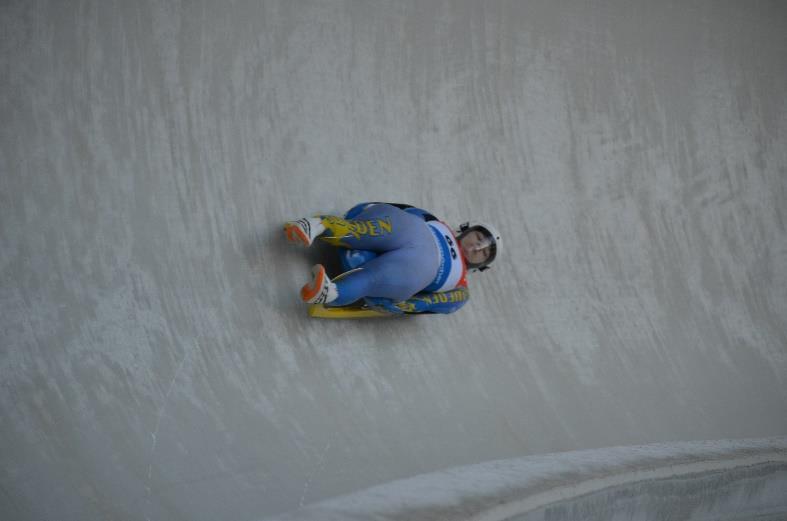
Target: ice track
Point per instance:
(154, 358)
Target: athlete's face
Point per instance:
(475, 247)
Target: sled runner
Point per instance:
(321, 311)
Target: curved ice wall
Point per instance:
(723, 479)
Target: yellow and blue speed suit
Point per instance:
(397, 258)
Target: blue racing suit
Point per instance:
(400, 259)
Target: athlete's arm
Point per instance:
(441, 302)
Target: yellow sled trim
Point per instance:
(320, 311)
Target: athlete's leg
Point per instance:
(397, 275)
(379, 228)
